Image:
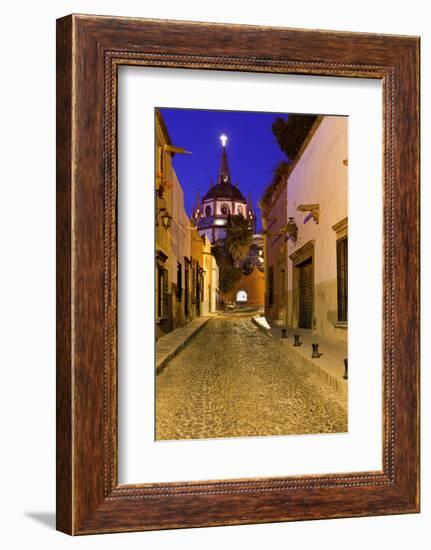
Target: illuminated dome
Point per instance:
(221, 200)
(224, 191)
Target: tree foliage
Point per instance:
(238, 238)
(281, 169)
(232, 250)
(228, 273)
(290, 133)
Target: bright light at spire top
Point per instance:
(223, 139)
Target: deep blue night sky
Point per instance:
(252, 150)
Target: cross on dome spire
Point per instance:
(223, 190)
(224, 175)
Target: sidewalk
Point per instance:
(329, 367)
(169, 345)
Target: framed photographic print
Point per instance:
(237, 274)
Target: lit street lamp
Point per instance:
(165, 218)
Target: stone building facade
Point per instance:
(306, 225)
(274, 220)
(183, 284)
(211, 278)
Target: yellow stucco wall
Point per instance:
(275, 255)
(180, 244)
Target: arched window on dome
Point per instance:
(208, 211)
(224, 209)
(240, 210)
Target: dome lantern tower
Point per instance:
(221, 199)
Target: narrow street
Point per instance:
(232, 380)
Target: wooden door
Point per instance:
(306, 294)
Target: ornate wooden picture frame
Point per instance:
(89, 51)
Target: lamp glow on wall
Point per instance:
(292, 229)
(165, 218)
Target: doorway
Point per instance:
(303, 286)
(306, 294)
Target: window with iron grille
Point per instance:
(179, 282)
(342, 279)
(186, 287)
(283, 286)
(270, 285)
(162, 296)
(193, 281)
(198, 289)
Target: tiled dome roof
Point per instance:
(224, 190)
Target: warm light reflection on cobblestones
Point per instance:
(233, 381)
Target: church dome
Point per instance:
(211, 213)
(224, 190)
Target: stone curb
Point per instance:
(161, 364)
(340, 386)
(261, 328)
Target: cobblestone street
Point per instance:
(232, 380)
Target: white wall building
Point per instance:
(317, 201)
